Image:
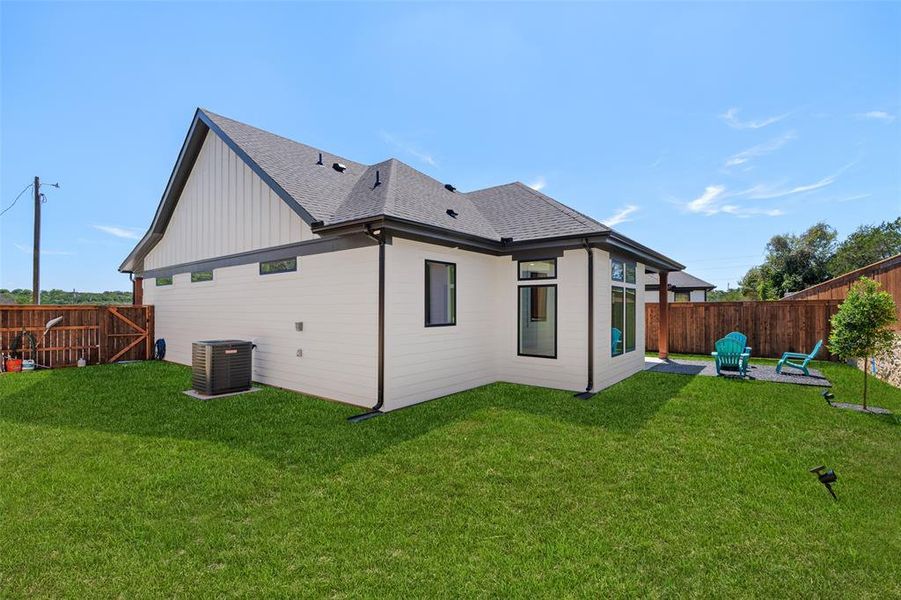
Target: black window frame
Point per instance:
(519, 277)
(157, 283)
(278, 260)
(428, 293)
(193, 273)
(519, 289)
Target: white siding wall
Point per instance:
(569, 370)
(422, 362)
(611, 369)
(335, 295)
(225, 208)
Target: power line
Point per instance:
(17, 198)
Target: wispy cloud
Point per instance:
(759, 150)
(538, 184)
(128, 233)
(620, 216)
(30, 251)
(706, 202)
(767, 192)
(730, 117)
(409, 147)
(877, 115)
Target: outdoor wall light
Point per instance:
(826, 477)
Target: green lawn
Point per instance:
(113, 483)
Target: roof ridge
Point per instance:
(570, 212)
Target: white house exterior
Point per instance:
(379, 286)
(681, 287)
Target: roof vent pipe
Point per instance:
(449, 187)
(319, 162)
(452, 213)
(339, 167)
(378, 181)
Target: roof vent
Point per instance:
(378, 181)
(319, 162)
(452, 213)
(339, 167)
(449, 187)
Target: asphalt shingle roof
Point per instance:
(512, 210)
(679, 279)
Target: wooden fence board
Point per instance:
(772, 327)
(99, 333)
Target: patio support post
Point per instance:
(663, 319)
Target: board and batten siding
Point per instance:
(225, 208)
(334, 295)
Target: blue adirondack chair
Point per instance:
(741, 339)
(785, 361)
(615, 336)
(730, 356)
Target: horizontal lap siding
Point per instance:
(334, 295)
(772, 327)
(570, 369)
(422, 362)
(612, 369)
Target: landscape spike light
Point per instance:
(826, 477)
(828, 397)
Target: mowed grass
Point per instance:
(113, 483)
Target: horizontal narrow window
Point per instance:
(278, 266)
(538, 269)
(164, 280)
(197, 276)
(440, 293)
(537, 328)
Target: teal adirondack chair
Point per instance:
(615, 336)
(730, 356)
(741, 339)
(785, 361)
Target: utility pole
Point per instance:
(36, 275)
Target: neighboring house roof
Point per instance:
(329, 199)
(679, 280)
(887, 264)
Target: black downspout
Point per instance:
(588, 394)
(376, 410)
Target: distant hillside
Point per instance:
(20, 296)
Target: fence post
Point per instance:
(663, 317)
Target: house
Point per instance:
(682, 287)
(887, 272)
(379, 286)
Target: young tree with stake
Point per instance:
(862, 326)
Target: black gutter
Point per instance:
(588, 394)
(376, 410)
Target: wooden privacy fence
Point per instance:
(100, 334)
(772, 327)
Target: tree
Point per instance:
(792, 263)
(868, 244)
(861, 327)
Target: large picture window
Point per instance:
(537, 327)
(623, 298)
(440, 293)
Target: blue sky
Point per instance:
(698, 129)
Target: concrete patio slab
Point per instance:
(706, 368)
